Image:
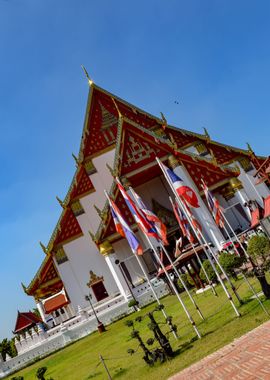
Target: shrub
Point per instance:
(230, 262)
(187, 281)
(133, 303)
(258, 247)
(209, 270)
(40, 373)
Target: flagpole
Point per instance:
(172, 264)
(147, 278)
(182, 282)
(200, 239)
(237, 252)
(199, 260)
(166, 273)
(173, 286)
(153, 290)
(246, 254)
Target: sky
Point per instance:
(202, 63)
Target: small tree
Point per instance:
(209, 270)
(259, 249)
(230, 262)
(41, 372)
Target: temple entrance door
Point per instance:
(99, 290)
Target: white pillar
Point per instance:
(41, 310)
(240, 194)
(117, 275)
(202, 213)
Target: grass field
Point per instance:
(80, 361)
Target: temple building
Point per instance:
(85, 256)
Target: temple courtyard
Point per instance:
(244, 358)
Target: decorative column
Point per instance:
(202, 213)
(106, 249)
(240, 195)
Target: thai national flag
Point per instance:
(138, 216)
(152, 218)
(213, 205)
(123, 228)
(182, 190)
(183, 222)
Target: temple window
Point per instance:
(60, 256)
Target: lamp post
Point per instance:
(101, 327)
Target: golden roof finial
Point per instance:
(164, 121)
(76, 159)
(250, 150)
(101, 214)
(62, 204)
(24, 287)
(44, 249)
(90, 81)
(206, 133)
(92, 236)
(113, 174)
(116, 106)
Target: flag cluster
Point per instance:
(213, 205)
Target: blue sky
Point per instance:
(212, 57)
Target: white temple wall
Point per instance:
(83, 256)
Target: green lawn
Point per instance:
(80, 361)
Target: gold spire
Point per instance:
(62, 204)
(101, 214)
(206, 133)
(44, 249)
(24, 287)
(113, 173)
(92, 236)
(250, 150)
(90, 81)
(164, 121)
(76, 159)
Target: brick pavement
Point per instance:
(245, 358)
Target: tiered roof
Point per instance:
(111, 122)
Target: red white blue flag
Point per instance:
(123, 228)
(152, 218)
(138, 216)
(185, 192)
(183, 222)
(213, 205)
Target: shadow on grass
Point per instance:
(119, 372)
(93, 375)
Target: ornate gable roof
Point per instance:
(136, 149)
(46, 280)
(25, 320)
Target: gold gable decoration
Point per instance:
(60, 256)
(89, 167)
(94, 279)
(77, 208)
(245, 164)
(201, 148)
(164, 214)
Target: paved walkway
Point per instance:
(246, 358)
